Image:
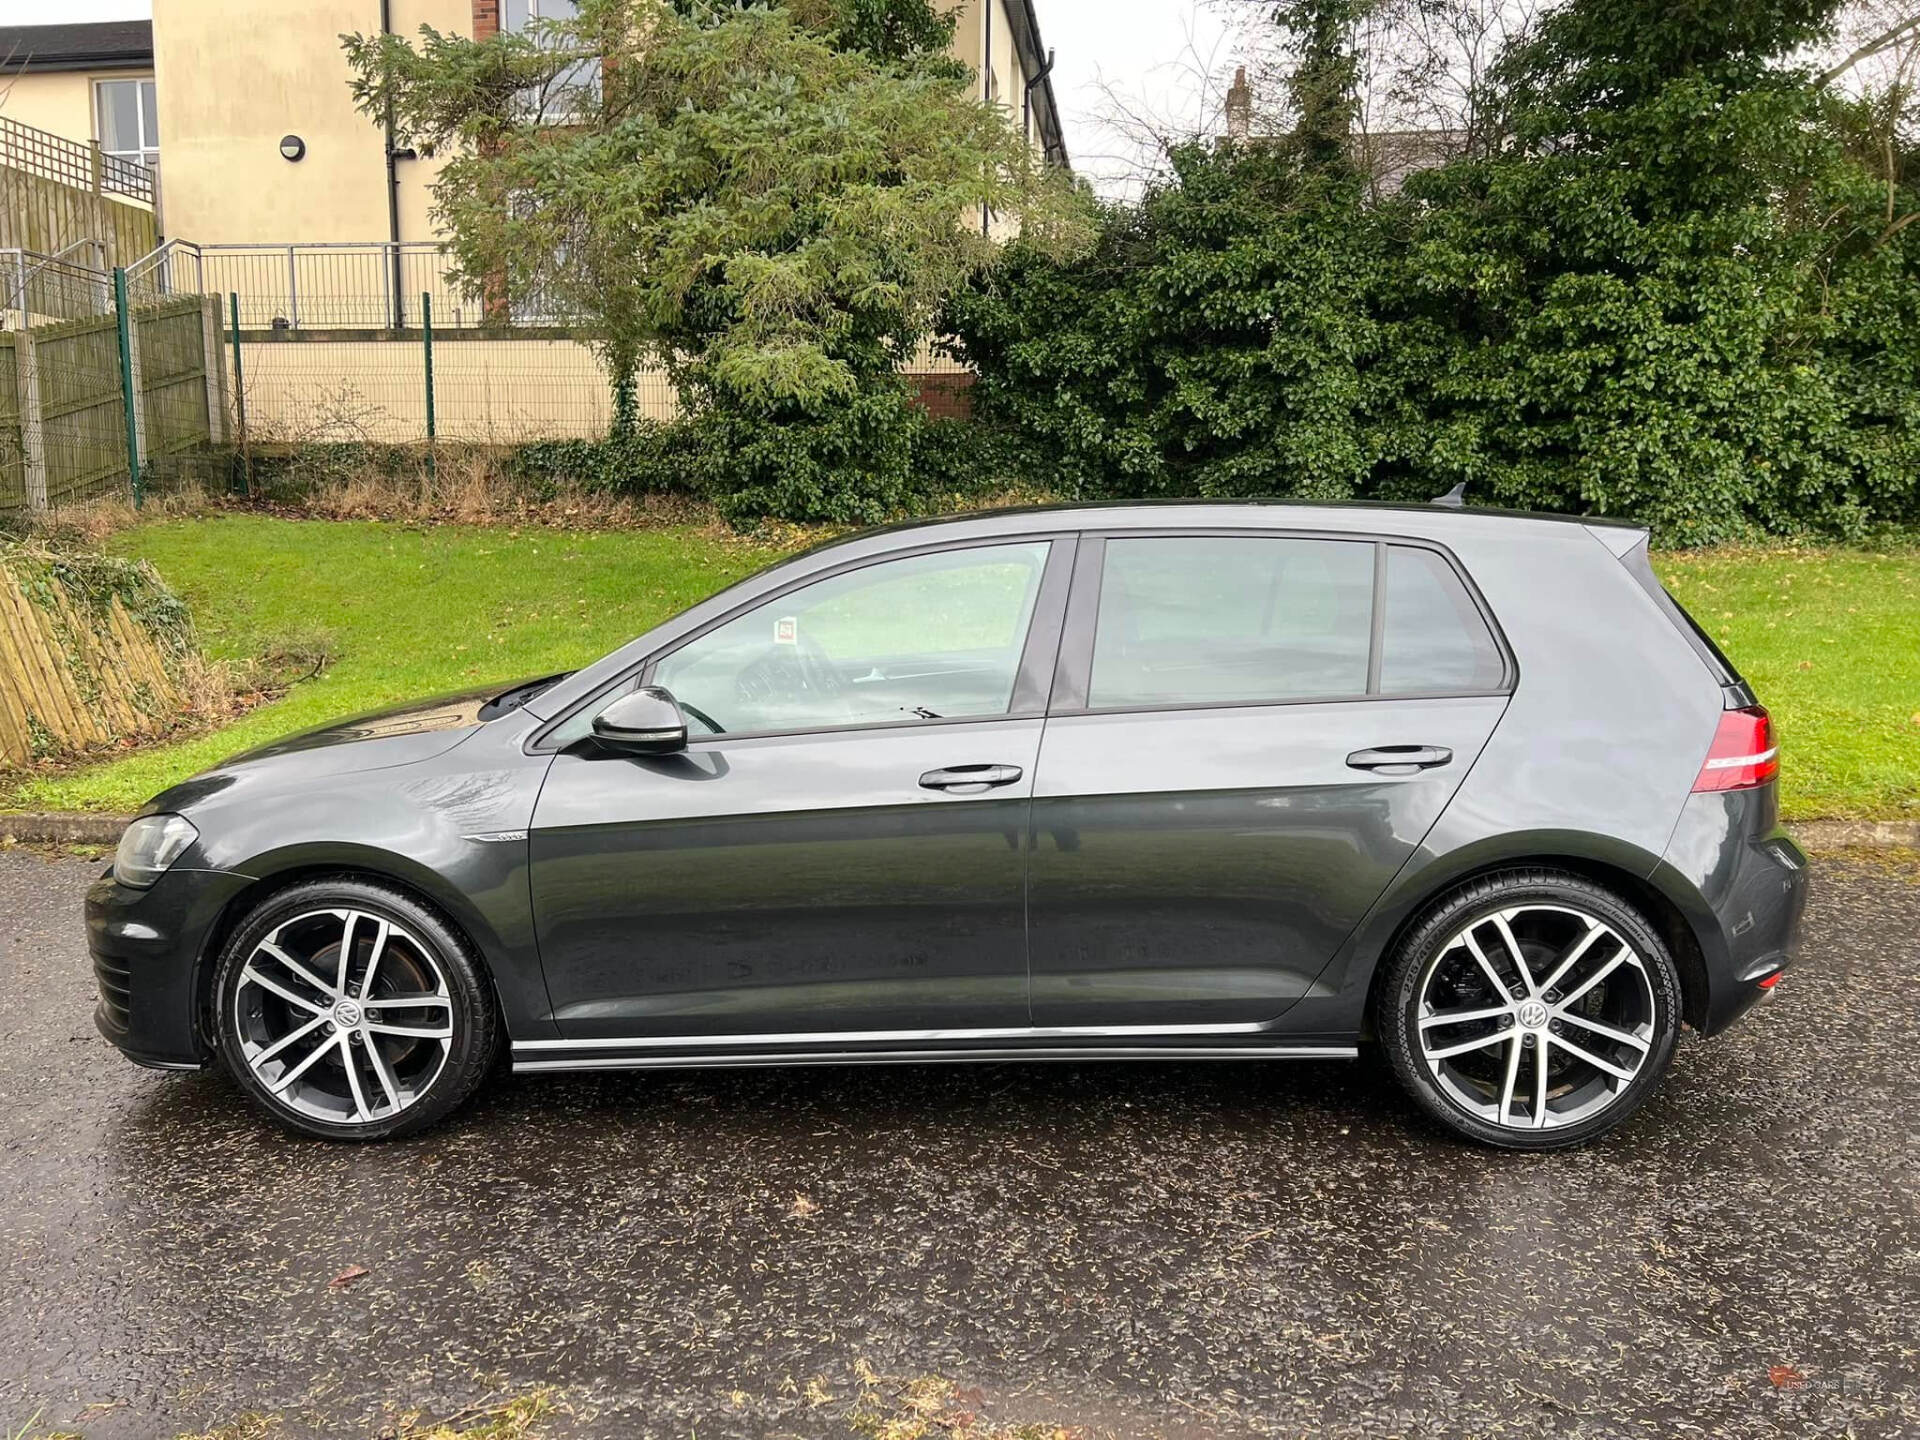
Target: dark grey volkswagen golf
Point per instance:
(1220, 782)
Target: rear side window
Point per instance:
(1236, 620)
(1434, 637)
(1205, 619)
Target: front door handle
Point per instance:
(969, 779)
(1400, 759)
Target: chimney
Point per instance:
(1239, 106)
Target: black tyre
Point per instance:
(348, 1010)
(1532, 1009)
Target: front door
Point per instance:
(837, 853)
(1239, 760)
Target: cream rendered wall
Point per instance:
(417, 176)
(970, 42)
(982, 29)
(61, 101)
(488, 392)
(232, 79)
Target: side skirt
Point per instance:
(692, 1060)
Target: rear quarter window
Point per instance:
(1434, 637)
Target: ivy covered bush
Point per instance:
(1679, 288)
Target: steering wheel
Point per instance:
(817, 671)
(788, 674)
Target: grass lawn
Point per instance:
(1830, 638)
(404, 612)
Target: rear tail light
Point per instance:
(1743, 753)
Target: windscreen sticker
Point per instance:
(786, 631)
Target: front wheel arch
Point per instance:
(246, 901)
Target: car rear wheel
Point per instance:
(1532, 1009)
(347, 1009)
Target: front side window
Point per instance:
(924, 637)
(1203, 619)
(129, 120)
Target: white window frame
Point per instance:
(149, 152)
(552, 10)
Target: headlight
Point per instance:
(148, 846)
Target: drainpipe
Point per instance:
(1026, 102)
(393, 190)
(986, 87)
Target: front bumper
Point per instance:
(1742, 882)
(149, 948)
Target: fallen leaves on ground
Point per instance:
(933, 1407)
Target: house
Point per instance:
(277, 154)
(1385, 157)
(88, 83)
(284, 200)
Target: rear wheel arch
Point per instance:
(1661, 910)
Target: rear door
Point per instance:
(1248, 735)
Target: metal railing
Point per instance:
(86, 167)
(37, 288)
(373, 285)
(172, 269)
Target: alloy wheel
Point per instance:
(1536, 1016)
(343, 1016)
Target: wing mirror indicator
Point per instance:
(646, 722)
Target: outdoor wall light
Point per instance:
(292, 147)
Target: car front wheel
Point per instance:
(346, 1009)
(1532, 1010)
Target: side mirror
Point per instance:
(646, 722)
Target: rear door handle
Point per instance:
(1400, 759)
(969, 779)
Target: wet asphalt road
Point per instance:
(1180, 1250)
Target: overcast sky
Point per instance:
(1145, 54)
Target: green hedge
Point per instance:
(1684, 292)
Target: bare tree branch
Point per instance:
(1885, 40)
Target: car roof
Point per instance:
(1619, 536)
